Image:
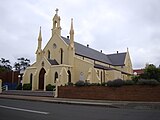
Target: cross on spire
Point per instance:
(56, 11)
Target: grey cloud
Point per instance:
(107, 25)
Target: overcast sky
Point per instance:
(108, 25)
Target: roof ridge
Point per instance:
(86, 46)
(116, 53)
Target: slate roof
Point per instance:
(112, 59)
(53, 62)
(117, 59)
(102, 67)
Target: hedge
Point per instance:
(27, 86)
(115, 83)
(151, 82)
(80, 83)
(50, 87)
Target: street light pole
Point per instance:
(19, 79)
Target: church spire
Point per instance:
(40, 39)
(39, 48)
(56, 24)
(71, 45)
(127, 49)
(71, 34)
(40, 36)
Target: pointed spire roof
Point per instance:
(71, 30)
(72, 34)
(40, 36)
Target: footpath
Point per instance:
(100, 103)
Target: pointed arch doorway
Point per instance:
(69, 76)
(41, 79)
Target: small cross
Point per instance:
(57, 11)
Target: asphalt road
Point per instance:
(34, 110)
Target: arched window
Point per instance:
(69, 76)
(61, 50)
(49, 54)
(55, 23)
(55, 77)
(101, 76)
(31, 78)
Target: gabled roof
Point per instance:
(117, 59)
(89, 52)
(85, 51)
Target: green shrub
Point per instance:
(103, 84)
(19, 87)
(110, 83)
(135, 78)
(129, 82)
(80, 83)
(50, 87)
(95, 84)
(115, 83)
(151, 82)
(69, 84)
(27, 86)
(87, 84)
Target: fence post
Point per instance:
(0, 86)
(56, 91)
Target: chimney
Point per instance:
(67, 37)
(117, 52)
(87, 45)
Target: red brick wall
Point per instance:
(9, 77)
(129, 93)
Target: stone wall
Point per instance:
(124, 93)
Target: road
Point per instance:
(33, 110)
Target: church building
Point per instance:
(63, 61)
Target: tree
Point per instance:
(22, 64)
(151, 72)
(5, 65)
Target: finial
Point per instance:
(72, 24)
(40, 37)
(72, 34)
(56, 11)
(127, 49)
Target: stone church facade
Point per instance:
(63, 61)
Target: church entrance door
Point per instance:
(41, 79)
